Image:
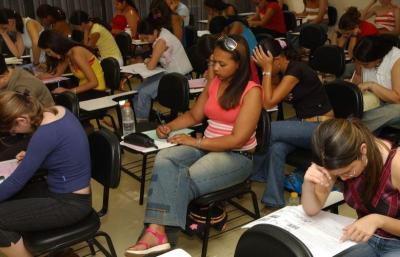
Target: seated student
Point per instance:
(219, 26)
(315, 12)
(268, 19)
(160, 11)
(126, 16)
(352, 29)
(63, 53)
(380, 74)
(387, 16)
(232, 105)
(301, 84)
(218, 8)
(58, 144)
(96, 36)
(369, 167)
(19, 80)
(54, 18)
(181, 9)
(12, 42)
(169, 52)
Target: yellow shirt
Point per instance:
(96, 67)
(106, 43)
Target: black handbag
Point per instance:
(196, 219)
(140, 139)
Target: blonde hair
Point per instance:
(15, 104)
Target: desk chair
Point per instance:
(106, 159)
(69, 101)
(265, 240)
(198, 61)
(328, 59)
(211, 199)
(290, 20)
(312, 36)
(347, 101)
(124, 42)
(332, 16)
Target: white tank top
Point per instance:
(28, 41)
(174, 59)
(382, 74)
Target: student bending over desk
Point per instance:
(222, 158)
(169, 52)
(370, 169)
(59, 144)
(62, 52)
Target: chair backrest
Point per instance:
(190, 36)
(173, 93)
(332, 15)
(124, 42)
(263, 131)
(290, 20)
(112, 73)
(346, 99)
(199, 62)
(261, 36)
(69, 100)
(105, 157)
(312, 36)
(329, 59)
(266, 240)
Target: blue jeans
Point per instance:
(385, 115)
(147, 91)
(183, 173)
(286, 136)
(375, 247)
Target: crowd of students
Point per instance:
(243, 77)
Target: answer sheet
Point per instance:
(321, 233)
(7, 168)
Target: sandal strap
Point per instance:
(146, 245)
(161, 238)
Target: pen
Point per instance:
(162, 122)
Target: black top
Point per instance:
(309, 95)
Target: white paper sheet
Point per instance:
(7, 168)
(141, 69)
(175, 253)
(321, 233)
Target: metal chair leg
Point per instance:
(206, 232)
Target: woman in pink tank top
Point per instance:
(222, 158)
(387, 16)
(369, 168)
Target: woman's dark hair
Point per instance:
(45, 10)
(350, 19)
(274, 46)
(148, 25)
(8, 14)
(59, 44)
(373, 48)
(216, 4)
(3, 65)
(58, 14)
(79, 17)
(217, 25)
(161, 14)
(130, 3)
(237, 84)
(337, 142)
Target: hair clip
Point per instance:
(282, 43)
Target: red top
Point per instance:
(119, 22)
(277, 22)
(386, 200)
(367, 29)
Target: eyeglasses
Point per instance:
(229, 43)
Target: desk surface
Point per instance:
(105, 102)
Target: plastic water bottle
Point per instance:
(293, 199)
(128, 121)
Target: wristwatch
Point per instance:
(266, 73)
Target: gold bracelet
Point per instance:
(266, 73)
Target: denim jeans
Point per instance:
(286, 135)
(386, 114)
(147, 91)
(375, 247)
(183, 173)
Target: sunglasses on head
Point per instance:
(229, 43)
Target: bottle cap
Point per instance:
(294, 195)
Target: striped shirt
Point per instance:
(386, 200)
(220, 121)
(386, 21)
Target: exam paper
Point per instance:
(7, 168)
(321, 233)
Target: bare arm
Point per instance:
(78, 58)
(177, 27)
(156, 54)
(264, 20)
(91, 39)
(132, 19)
(323, 7)
(33, 31)
(16, 48)
(368, 11)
